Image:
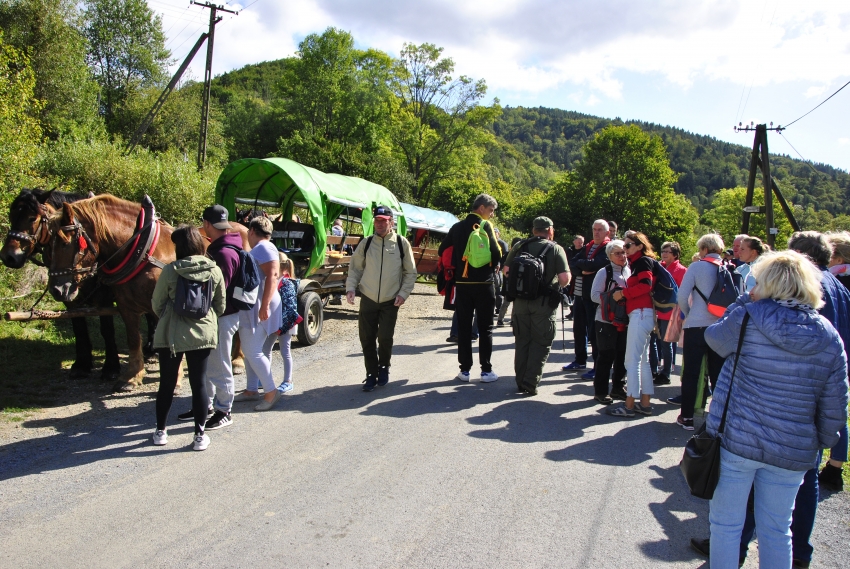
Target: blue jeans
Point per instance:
(638, 376)
(453, 331)
(805, 510)
(775, 492)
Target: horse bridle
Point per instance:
(84, 246)
(40, 238)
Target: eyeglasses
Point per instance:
(665, 250)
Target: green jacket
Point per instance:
(178, 333)
(382, 273)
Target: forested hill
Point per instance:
(554, 138)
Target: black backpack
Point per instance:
(527, 272)
(246, 281)
(192, 299)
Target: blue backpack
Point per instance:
(246, 281)
(665, 291)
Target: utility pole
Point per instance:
(205, 107)
(760, 161)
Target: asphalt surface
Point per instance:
(425, 472)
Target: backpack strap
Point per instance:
(609, 276)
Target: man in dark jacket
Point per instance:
(219, 375)
(584, 266)
(476, 293)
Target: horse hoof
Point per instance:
(109, 374)
(79, 373)
(123, 387)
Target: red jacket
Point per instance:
(638, 291)
(677, 271)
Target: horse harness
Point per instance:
(39, 239)
(139, 248)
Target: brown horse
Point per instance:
(29, 234)
(88, 236)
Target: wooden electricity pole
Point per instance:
(761, 161)
(205, 107)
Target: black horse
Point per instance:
(28, 235)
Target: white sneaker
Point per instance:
(488, 376)
(160, 438)
(463, 376)
(202, 442)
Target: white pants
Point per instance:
(257, 347)
(639, 376)
(219, 378)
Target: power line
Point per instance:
(806, 162)
(822, 102)
(249, 5)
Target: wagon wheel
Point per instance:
(310, 309)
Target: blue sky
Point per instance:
(700, 65)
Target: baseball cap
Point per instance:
(217, 216)
(542, 222)
(382, 211)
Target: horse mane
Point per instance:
(30, 199)
(95, 211)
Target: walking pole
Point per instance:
(563, 330)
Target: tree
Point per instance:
(726, 213)
(20, 134)
(49, 32)
(126, 50)
(438, 117)
(624, 176)
(335, 106)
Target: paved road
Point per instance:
(426, 472)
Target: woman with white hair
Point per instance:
(789, 353)
(699, 278)
(610, 337)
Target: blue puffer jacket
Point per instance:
(836, 306)
(789, 396)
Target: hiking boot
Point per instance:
(217, 421)
(574, 366)
(160, 438)
(202, 441)
(383, 375)
(618, 394)
(830, 478)
(661, 379)
(687, 424)
(370, 382)
(190, 415)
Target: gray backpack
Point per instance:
(192, 299)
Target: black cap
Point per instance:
(217, 216)
(382, 211)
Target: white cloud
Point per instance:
(844, 141)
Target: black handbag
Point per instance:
(701, 460)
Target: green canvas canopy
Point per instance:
(282, 183)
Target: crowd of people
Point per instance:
(777, 353)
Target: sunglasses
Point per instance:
(629, 245)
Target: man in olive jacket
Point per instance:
(384, 270)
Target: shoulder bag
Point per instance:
(701, 460)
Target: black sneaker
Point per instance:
(383, 375)
(190, 415)
(217, 421)
(370, 382)
(618, 394)
(702, 546)
(661, 379)
(452, 339)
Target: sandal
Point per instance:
(603, 399)
(622, 411)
